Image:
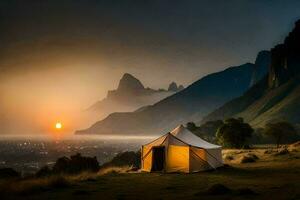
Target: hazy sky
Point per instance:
(58, 57)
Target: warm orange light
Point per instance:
(58, 125)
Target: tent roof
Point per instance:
(188, 137)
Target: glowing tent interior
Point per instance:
(180, 151)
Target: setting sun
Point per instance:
(58, 125)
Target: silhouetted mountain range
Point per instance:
(277, 96)
(129, 96)
(190, 104)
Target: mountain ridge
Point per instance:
(180, 107)
(277, 96)
(130, 95)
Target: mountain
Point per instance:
(189, 104)
(277, 96)
(173, 87)
(263, 59)
(129, 96)
(129, 83)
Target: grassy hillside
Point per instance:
(239, 104)
(273, 175)
(279, 104)
(261, 105)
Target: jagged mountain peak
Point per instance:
(285, 59)
(262, 56)
(262, 62)
(129, 82)
(173, 87)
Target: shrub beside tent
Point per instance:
(180, 151)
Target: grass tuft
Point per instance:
(114, 170)
(249, 158)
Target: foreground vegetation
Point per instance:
(258, 173)
(236, 133)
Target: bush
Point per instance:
(234, 133)
(75, 164)
(44, 171)
(128, 158)
(6, 173)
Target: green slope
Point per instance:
(261, 105)
(279, 104)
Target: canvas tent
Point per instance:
(180, 151)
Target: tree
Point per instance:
(191, 126)
(207, 130)
(211, 127)
(280, 132)
(234, 133)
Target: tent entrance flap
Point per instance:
(158, 158)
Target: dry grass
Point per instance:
(34, 185)
(265, 154)
(37, 185)
(114, 170)
(270, 175)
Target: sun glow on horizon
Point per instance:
(58, 125)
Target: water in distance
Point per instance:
(27, 154)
